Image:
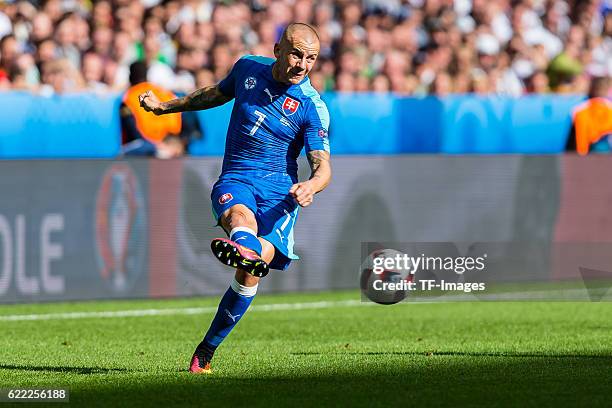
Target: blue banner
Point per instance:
(87, 125)
(66, 126)
(214, 123)
(384, 124)
(531, 124)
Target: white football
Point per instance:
(380, 277)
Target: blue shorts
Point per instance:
(267, 195)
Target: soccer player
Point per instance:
(256, 199)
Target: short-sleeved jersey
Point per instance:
(271, 122)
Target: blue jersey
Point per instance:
(271, 122)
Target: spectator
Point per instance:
(537, 83)
(188, 61)
(93, 72)
(102, 41)
(9, 50)
(204, 77)
(345, 82)
(317, 80)
(24, 75)
(65, 37)
(496, 47)
(46, 52)
(380, 84)
(592, 121)
(60, 76)
(42, 28)
(158, 72)
(6, 25)
(442, 85)
(145, 134)
(562, 71)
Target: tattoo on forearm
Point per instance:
(316, 157)
(321, 168)
(203, 98)
(206, 98)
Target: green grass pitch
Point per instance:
(435, 354)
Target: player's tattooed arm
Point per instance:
(304, 192)
(320, 167)
(203, 98)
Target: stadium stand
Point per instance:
(410, 47)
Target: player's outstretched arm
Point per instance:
(319, 179)
(203, 98)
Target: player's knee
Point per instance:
(239, 216)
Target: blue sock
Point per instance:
(232, 307)
(247, 238)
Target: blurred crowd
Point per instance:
(410, 47)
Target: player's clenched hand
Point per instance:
(303, 193)
(150, 103)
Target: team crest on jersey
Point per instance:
(226, 198)
(290, 106)
(250, 83)
(322, 132)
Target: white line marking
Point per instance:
(176, 311)
(508, 296)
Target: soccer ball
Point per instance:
(375, 286)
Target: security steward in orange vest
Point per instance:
(143, 133)
(592, 121)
